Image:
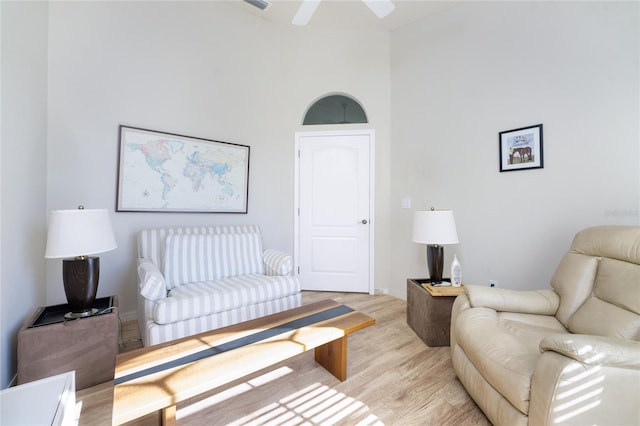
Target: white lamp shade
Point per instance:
(79, 232)
(434, 227)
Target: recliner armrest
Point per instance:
(277, 262)
(541, 302)
(594, 350)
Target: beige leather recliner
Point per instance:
(569, 355)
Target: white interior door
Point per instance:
(334, 242)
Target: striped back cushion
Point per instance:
(194, 258)
(151, 242)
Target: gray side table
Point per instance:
(429, 310)
(48, 346)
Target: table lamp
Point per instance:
(434, 228)
(74, 235)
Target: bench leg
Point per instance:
(333, 357)
(168, 416)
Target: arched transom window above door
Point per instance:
(335, 109)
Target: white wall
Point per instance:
(472, 71)
(22, 171)
(205, 69)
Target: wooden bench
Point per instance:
(156, 378)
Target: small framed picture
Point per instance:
(521, 149)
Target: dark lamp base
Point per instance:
(435, 261)
(80, 277)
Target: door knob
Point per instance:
(364, 221)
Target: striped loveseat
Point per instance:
(196, 279)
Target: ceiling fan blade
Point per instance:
(381, 8)
(304, 14)
(260, 4)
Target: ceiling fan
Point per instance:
(381, 8)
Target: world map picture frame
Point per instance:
(521, 149)
(173, 173)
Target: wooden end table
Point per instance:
(49, 345)
(429, 310)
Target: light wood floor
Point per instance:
(393, 379)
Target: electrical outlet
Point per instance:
(493, 283)
(381, 291)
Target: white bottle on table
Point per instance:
(456, 272)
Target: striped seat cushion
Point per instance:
(208, 297)
(193, 258)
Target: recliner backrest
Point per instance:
(598, 282)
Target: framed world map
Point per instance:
(166, 172)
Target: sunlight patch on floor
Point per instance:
(316, 404)
(232, 392)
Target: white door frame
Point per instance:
(296, 197)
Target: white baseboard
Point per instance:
(398, 294)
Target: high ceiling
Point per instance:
(350, 14)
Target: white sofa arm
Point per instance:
(594, 350)
(277, 263)
(541, 302)
(151, 284)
